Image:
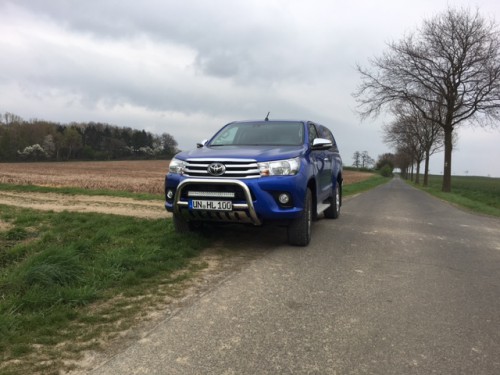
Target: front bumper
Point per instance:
(255, 200)
(243, 212)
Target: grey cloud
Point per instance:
(231, 40)
(239, 59)
(222, 63)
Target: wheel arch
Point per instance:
(312, 185)
(340, 182)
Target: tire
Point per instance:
(333, 212)
(183, 226)
(299, 230)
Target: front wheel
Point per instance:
(299, 230)
(183, 226)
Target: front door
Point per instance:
(323, 164)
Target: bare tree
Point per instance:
(417, 134)
(72, 140)
(452, 63)
(400, 134)
(385, 159)
(168, 144)
(366, 160)
(9, 118)
(431, 138)
(402, 160)
(356, 159)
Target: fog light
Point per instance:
(284, 198)
(170, 194)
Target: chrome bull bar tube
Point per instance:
(237, 207)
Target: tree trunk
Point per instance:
(448, 147)
(417, 177)
(426, 168)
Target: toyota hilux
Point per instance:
(258, 172)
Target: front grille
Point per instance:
(233, 168)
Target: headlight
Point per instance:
(280, 167)
(176, 166)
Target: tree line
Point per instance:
(434, 80)
(37, 140)
(362, 160)
(415, 140)
(384, 164)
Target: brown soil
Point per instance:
(136, 176)
(133, 176)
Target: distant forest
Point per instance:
(38, 140)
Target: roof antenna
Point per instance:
(267, 117)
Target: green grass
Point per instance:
(59, 270)
(479, 194)
(80, 191)
(365, 185)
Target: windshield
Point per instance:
(260, 133)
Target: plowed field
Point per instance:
(132, 176)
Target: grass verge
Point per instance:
(478, 194)
(367, 184)
(67, 279)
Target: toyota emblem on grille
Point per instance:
(216, 169)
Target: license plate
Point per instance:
(209, 205)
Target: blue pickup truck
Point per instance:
(256, 172)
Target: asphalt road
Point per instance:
(402, 283)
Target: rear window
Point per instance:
(268, 133)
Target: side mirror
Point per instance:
(321, 144)
(202, 143)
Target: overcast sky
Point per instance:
(189, 67)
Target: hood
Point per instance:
(258, 153)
